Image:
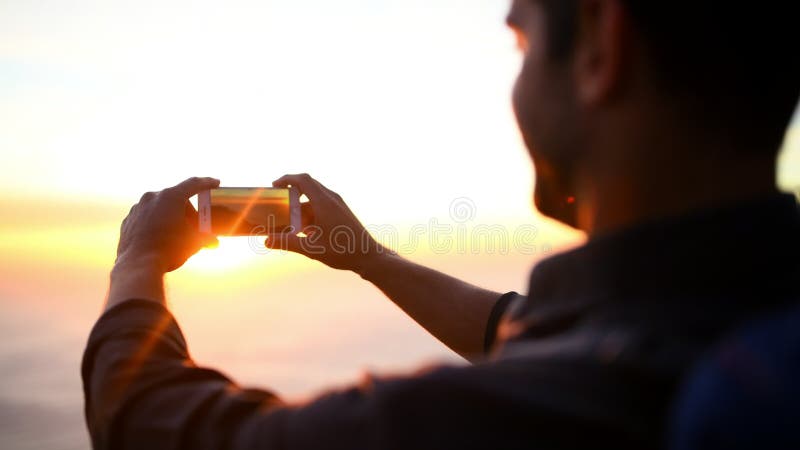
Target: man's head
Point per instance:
(614, 90)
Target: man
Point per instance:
(653, 127)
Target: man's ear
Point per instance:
(601, 49)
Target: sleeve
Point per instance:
(142, 390)
(499, 309)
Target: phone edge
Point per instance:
(204, 211)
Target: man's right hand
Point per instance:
(454, 311)
(334, 236)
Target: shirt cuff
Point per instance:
(500, 307)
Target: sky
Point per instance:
(104, 99)
(401, 106)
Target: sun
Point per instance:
(232, 253)
(236, 265)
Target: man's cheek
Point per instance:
(516, 100)
(522, 99)
(525, 107)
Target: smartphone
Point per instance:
(252, 211)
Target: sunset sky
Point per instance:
(401, 106)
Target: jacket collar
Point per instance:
(745, 252)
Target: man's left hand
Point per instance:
(162, 228)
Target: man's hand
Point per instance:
(454, 311)
(162, 229)
(335, 236)
(158, 236)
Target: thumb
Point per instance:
(208, 240)
(283, 241)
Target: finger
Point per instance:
(208, 240)
(193, 222)
(130, 213)
(304, 183)
(191, 216)
(191, 213)
(147, 197)
(281, 242)
(194, 185)
(306, 214)
(189, 207)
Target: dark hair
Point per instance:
(730, 62)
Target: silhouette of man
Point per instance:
(653, 127)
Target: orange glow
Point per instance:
(231, 254)
(521, 41)
(92, 246)
(246, 211)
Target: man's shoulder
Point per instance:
(745, 391)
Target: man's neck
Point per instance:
(611, 202)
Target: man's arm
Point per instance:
(454, 311)
(143, 391)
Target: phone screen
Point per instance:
(249, 211)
